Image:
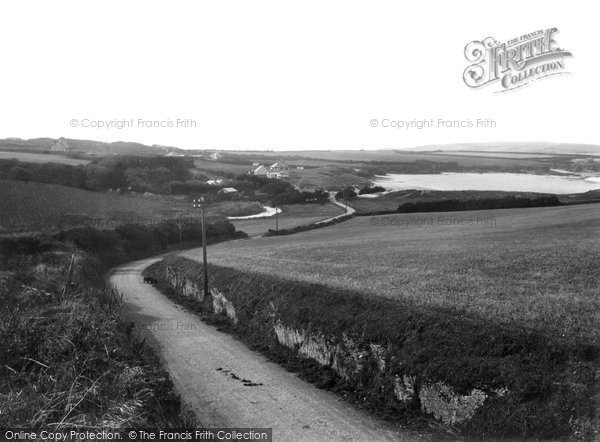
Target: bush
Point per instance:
(23, 245)
(143, 174)
(346, 193)
(133, 241)
(367, 190)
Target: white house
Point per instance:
(216, 156)
(279, 170)
(228, 190)
(260, 171)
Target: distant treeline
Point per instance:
(127, 242)
(142, 174)
(507, 202)
(156, 174)
(368, 190)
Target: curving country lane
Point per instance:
(228, 385)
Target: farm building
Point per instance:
(215, 156)
(260, 171)
(228, 190)
(279, 170)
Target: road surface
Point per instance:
(228, 385)
(347, 209)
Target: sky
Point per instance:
(286, 75)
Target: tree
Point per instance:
(346, 193)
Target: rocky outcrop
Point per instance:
(184, 285)
(349, 361)
(221, 304)
(440, 400)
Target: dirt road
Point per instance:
(344, 205)
(228, 385)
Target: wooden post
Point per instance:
(68, 281)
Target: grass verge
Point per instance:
(67, 360)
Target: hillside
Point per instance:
(534, 268)
(89, 147)
(30, 157)
(31, 206)
(516, 147)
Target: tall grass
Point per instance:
(68, 360)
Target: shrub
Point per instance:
(367, 190)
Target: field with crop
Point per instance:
(526, 268)
(291, 216)
(30, 206)
(462, 157)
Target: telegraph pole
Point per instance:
(180, 224)
(199, 203)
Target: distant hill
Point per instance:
(515, 147)
(88, 147)
(100, 148)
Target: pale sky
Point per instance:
(286, 75)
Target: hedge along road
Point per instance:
(228, 385)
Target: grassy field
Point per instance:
(30, 206)
(532, 268)
(41, 158)
(290, 216)
(217, 169)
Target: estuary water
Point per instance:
(510, 182)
